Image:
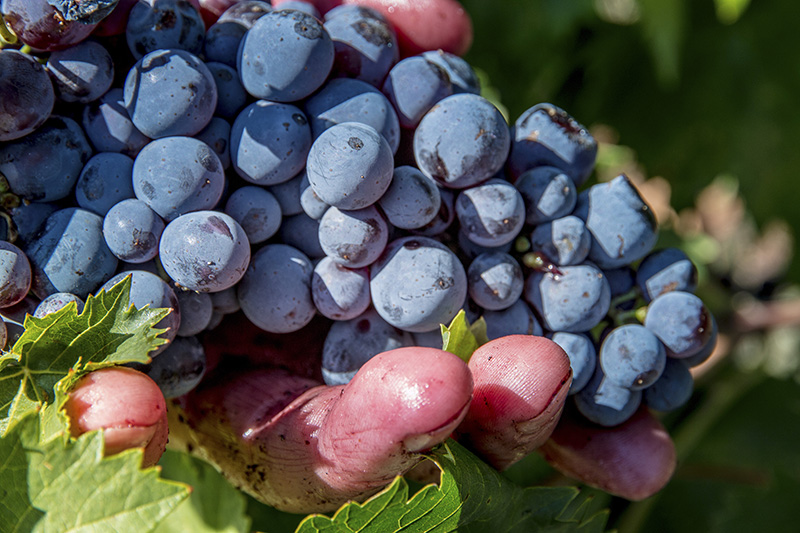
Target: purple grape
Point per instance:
(82, 73)
(350, 165)
(673, 389)
(547, 135)
(196, 310)
(288, 195)
(460, 72)
(26, 95)
(275, 293)
(681, 321)
(178, 175)
(257, 211)
(109, 127)
(106, 179)
(582, 357)
(231, 96)
(491, 214)
(179, 368)
(461, 142)
(302, 232)
(417, 284)
(162, 24)
(339, 293)
(669, 269)
(414, 86)
(353, 239)
(204, 251)
(517, 319)
(217, 135)
(56, 302)
(548, 194)
(285, 56)
(270, 142)
(412, 199)
(588, 401)
(132, 231)
(495, 280)
(15, 274)
(565, 241)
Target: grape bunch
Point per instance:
(271, 163)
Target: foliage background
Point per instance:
(703, 94)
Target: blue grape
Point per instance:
(632, 357)
(491, 214)
(574, 301)
(170, 92)
(495, 280)
(56, 302)
(160, 24)
(300, 5)
(353, 239)
(548, 194)
(622, 225)
(29, 218)
(412, 199)
(517, 319)
(179, 368)
(622, 280)
(681, 321)
(349, 10)
(582, 357)
(246, 12)
(468, 250)
(26, 95)
(417, 284)
(339, 293)
(257, 211)
(546, 135)
(204, 251)
(16, 314)
(673, 389)
(269, 142)
(302, 232)
(231, 96)
(132, 231)
(148, 289)
(106, 179)
(196, 310)
(348, 100)
(461, 74)
(15, 274)
(414, 86)
(350, 165)
(351, 343)
(217, 136)
(365, 46)
(225, 302)
(285, 56)
(588, 401)
(45, 165)
(669, 269)
(178, 175)
(312, 205)
(288, 195)
(70, 254)
(81, 73)
(565, 241)
(462, 141)
(222, 42)
(444, 217)
(109, 127)
(275, 293)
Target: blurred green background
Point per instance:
(699, 92)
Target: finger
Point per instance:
(426, 24)
(302, 448)
(634, 460)
(127, 404)
(521, 384)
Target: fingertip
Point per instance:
(521, 385)
(633, 460)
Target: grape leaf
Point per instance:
(65, 343)
(472, 496)
(67, 486)
(461, 338)
(214, 504)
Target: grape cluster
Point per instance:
(286, 166)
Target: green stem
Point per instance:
(6, 35)
(719, 401)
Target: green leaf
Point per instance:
(462, 339)
(68, 486)
(214, 504)
(65, 343)
(472, 496)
